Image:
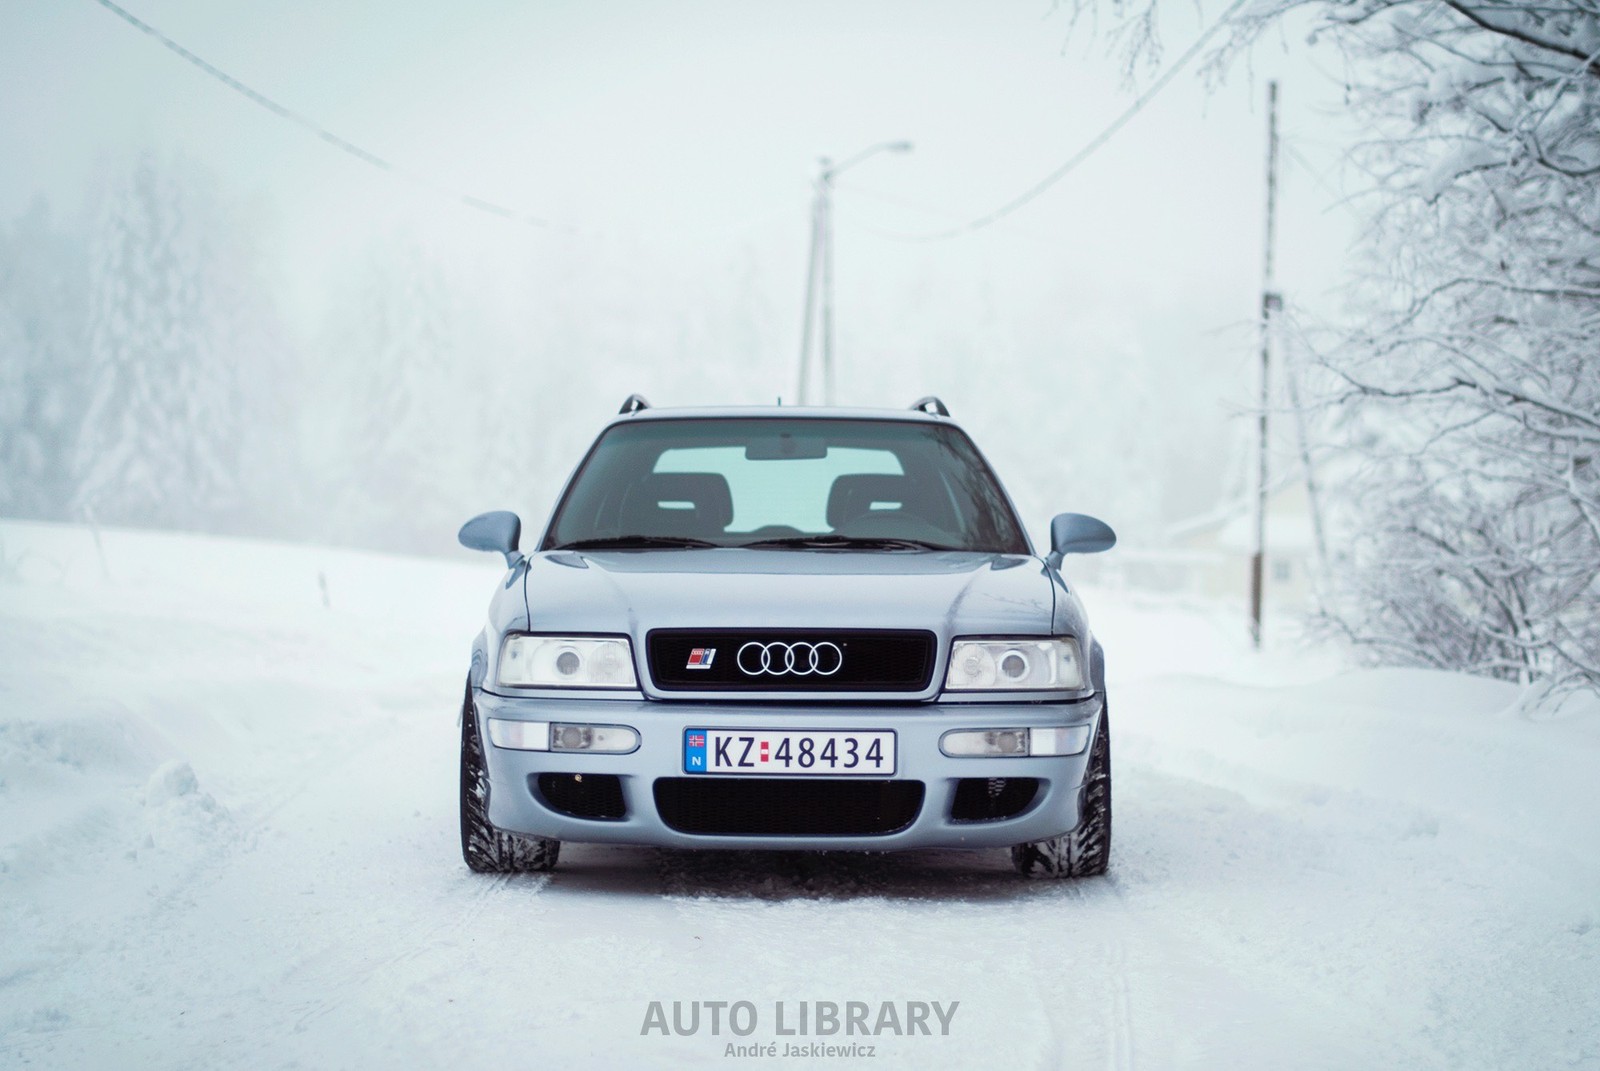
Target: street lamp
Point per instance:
(822, 260)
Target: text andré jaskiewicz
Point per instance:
(820, 1018)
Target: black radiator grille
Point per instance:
(797, 807)
(805, 660)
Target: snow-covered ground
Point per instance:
(227, 839)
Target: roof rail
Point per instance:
(634, 403)
(930, 404)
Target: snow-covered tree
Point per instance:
(392, 438)
(41, 364)
(1473, 387)
(1467, 387)
(179, 355)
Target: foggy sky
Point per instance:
(677, 142)
(682, 125)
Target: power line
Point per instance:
(932, 210)
(1088, 150)
(1340, 200)
(320, 131)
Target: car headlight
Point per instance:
(990, 665)
(567, 662)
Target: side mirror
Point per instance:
(1078, 533)
(499, 531)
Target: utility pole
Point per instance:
(1313, 495)
(811, 292)
(825, 207)
(820, 266)
(819, 270)
(1271, 302)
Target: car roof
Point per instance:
(781, 412)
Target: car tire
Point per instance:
(488, 850)
(1085, 851)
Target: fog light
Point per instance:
(987, 742)
(1058, 740)
(611, 739)
(1000, 743)
(520, 735)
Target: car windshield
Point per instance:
(802, 483)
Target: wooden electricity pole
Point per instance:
(1271, 302)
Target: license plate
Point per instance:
(790, 752)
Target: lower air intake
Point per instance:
(583, 795)
(989, 799)
(770, 806)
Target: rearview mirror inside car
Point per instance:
(786, 447)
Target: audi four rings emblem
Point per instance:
(800, 659)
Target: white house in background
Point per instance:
(1209, 556)
(1290, 545)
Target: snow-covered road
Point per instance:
(227, 839)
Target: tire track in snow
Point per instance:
(460, 897)
(1100, 943)
(356, 938)
(484, 888)
(1119, 1006)
(1121, 1057)
(1208, 884)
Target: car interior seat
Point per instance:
(856, 496)
(697, 505)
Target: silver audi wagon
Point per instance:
(786, 628)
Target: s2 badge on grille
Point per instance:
(700, 658)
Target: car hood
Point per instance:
(951, 593)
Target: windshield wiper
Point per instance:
(839, 542)
(635, 542)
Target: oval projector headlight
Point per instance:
(566, 662)
(984, 665)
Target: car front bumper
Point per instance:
(516, 803)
